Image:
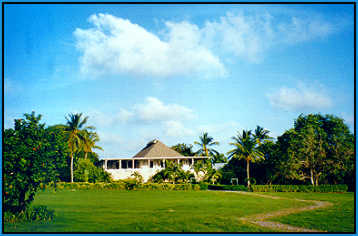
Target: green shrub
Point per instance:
(300, 188)
(203, 186)
(227, 187)
(128, 184)
(37, 213)
(87, 172)
(196, 187)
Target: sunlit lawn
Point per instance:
(337, 218)
(156, 211)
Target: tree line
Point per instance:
(318, 149)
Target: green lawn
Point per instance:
(337, 218)
(156, 211)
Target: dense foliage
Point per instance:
(128, 184)
(86, 171)
(33, 155)
(325, 188)
(227, 187)
(37, 213)
(184, 149)
(172, 172)
(317, 150)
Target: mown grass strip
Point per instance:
(150, 211)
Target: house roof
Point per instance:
(155, 148)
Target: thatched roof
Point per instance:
(155, 148)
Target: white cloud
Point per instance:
(177, 129)
(305, 29)
(249, 36)
(124, 115)
(100, 119)
(115, 45)
(300, 98)
(155, 110)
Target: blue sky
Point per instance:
(174, 71)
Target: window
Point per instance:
(136, 164)
(130, 164)
(113, 164)
(124, 164)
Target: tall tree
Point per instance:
(219, 158)
(75, 132)
(261, 135)
(206, 142)
(89, 142)
(184, 149)
(246, 148)
(321, 148)
(30, 158)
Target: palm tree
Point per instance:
(261, 135)
(75, 133)
(203, 166)
(89, 142)
(205, 143)
(246, 148)
(138, 177)
(215, 175)
(219, 158)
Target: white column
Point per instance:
(149, 164)
(192, 161)
(178, 161)
(132, 164)
(105, 164)
(120, 164)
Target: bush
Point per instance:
(87, 172)
(300, 188)
(227, 187)
(129, 184)
(203, 186)
(37, 213)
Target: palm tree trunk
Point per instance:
(71, 167)
(248, 173)
(85, 155)
(312, 181)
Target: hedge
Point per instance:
(121, 185)
(324, 188)
(228, 187)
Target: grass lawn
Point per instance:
(146, 211)
(337, 218)
(163, 211)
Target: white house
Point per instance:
(147, 162)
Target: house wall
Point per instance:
(144, 171)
